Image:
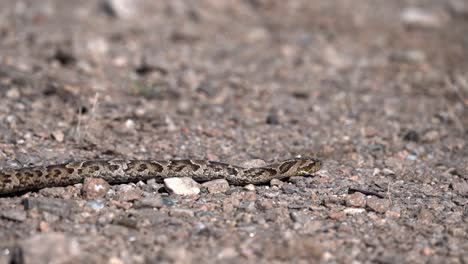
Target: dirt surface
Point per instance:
(377, 89)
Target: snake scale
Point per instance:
(124, 171)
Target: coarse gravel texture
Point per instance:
(377, 89)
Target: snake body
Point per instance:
(125, 171)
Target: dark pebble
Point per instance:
(411, 135)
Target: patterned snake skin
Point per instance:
(124, 171)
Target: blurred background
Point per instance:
(377, 89)
(229, 79)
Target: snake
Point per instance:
(15, 181)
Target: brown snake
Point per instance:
(124, 171)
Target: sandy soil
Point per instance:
(378, 91)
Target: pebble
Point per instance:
(460, 188)
(58, 207)
(298, 181)
(181, 212)
(217, 186)
(227, 253)
(425, 216)
(13, 215)
(129, 193)
(290, 189)
(276, 182)
(94, 188)
(38, 249)
(116, 260)
(378, 205)
(356, 199)
(272, 119)
(459, 7)
(411, 135)
(150, 202)
(13, 93)
(299, 217)
(416, 17)
(168, 201)
(409, 56)
(98, 46)
(96, 205)
(337, 215)
(394, 214)
(352, 211)
(249, 187)
(430, 136)
(182, 186)
(151, 186)
(120, 8)
(370, 132)
(58, 135)
(130, 124)
(388, 172)
(264, 204)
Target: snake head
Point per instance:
(307, 166)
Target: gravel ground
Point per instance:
(378, 91)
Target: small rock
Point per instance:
(356, 199)
(151, 186)
(416, 17)
(298, 181)
(59, 207)
(459, 7)
(431, 136)
(337, 215)
(58, 135)
(425, 216)
(130, 124)
(64, 56)
(299, 217)
(250, 187)
(120, 8)
(168, 201)
(253, 163)
(461, 188)
(395, 214)
(98, 46)
(116, 260)
(411, 135)
(217, 186)
(171, 254)
(227, 253)
(94, 188)
(96, 205)
(272, 119)
(388, 172)
(150, 202)
(352, 211)
(290, 189)
(129, 193)
(13, 93)
(378, 205)
(264, 204)
(44, 227)
(409, 56)
(182, 186)
(50, 248)
(14, 215)
(180, 212)
(370, 132)
(276, 182)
